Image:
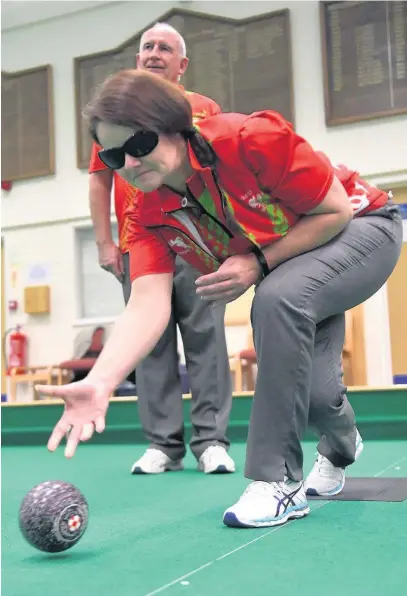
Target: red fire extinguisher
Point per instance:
(18, 350)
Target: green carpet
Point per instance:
(146, 532)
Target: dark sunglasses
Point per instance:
(140, 144)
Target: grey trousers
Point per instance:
(159, 393)
(298, 323)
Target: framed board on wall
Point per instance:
(364, 53)
(27, 124)
(91, 71)
(244, 65)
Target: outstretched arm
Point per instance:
(137, 330)
(135, 334)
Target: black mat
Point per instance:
(370, 489)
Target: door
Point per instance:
(397, 299)
(3, 322)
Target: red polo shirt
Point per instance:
(124, 194)
(267, 176)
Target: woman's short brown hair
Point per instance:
(139, 99)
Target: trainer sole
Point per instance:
(176, 467)
(230, 519)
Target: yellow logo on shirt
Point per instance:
(199, 116)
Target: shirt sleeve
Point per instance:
(148, 251)
(284, 163)
(202, 106)
(214, 108)
(95, 163)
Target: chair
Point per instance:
(88, 346)
(237, 320)
(243, 363)
(242, 366)
(30, 375)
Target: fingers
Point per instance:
(109, 269)
(80, 434)
(74, 431)
(120, 264)
(52, 390)
(58, 434)
(222, 291)
(214, 290)
(73, 440)
(116, 270)
(87, 432)
(116, 267)
(74, 434)
(223, 297)
(212, 278)
(100, 424)
(89, 428)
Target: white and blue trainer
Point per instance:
(266, 504)
(325, 479)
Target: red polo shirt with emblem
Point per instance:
(266, 178)
(125, 194)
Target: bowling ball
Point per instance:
(53, 516)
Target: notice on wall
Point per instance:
(38, 274)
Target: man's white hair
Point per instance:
(167, 27)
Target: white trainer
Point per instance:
(268, 504)
(155, 461)
(215, 460)
(325, 479)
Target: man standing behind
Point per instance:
(163, 52)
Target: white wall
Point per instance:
(50, 335)
(377, 148)
(23, 12)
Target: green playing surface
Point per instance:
(164, 534)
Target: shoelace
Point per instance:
(324, 466)
(263, 488)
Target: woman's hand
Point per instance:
(236, 275)
(86, 404)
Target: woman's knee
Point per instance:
(326, 397)
(278, 301)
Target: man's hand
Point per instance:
(111, 259)
(236, 275)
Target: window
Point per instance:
(100, 293)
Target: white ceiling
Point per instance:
(15, 13)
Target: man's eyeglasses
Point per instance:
(140, 144)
